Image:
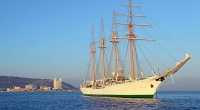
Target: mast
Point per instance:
(93, 58)
(118, 71)
(102, 46)
(131, 43)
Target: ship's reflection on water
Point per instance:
(162, 101)
(123, 103)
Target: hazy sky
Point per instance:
(49, 38)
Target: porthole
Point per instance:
(151, 86)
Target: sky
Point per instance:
(50, 38)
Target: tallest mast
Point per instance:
(131, 43)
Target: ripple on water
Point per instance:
(75, 101)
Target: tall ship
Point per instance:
(113, 79)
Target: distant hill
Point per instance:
(9, 81)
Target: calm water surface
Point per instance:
(75, 101)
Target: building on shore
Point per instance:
(45, 88)
(30, 87)
(15, 89)
(57, 84)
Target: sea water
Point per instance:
(75, 101)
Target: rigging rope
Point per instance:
(167, 51)
(146, 59)
(140, 69)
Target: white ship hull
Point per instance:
(145, 88)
